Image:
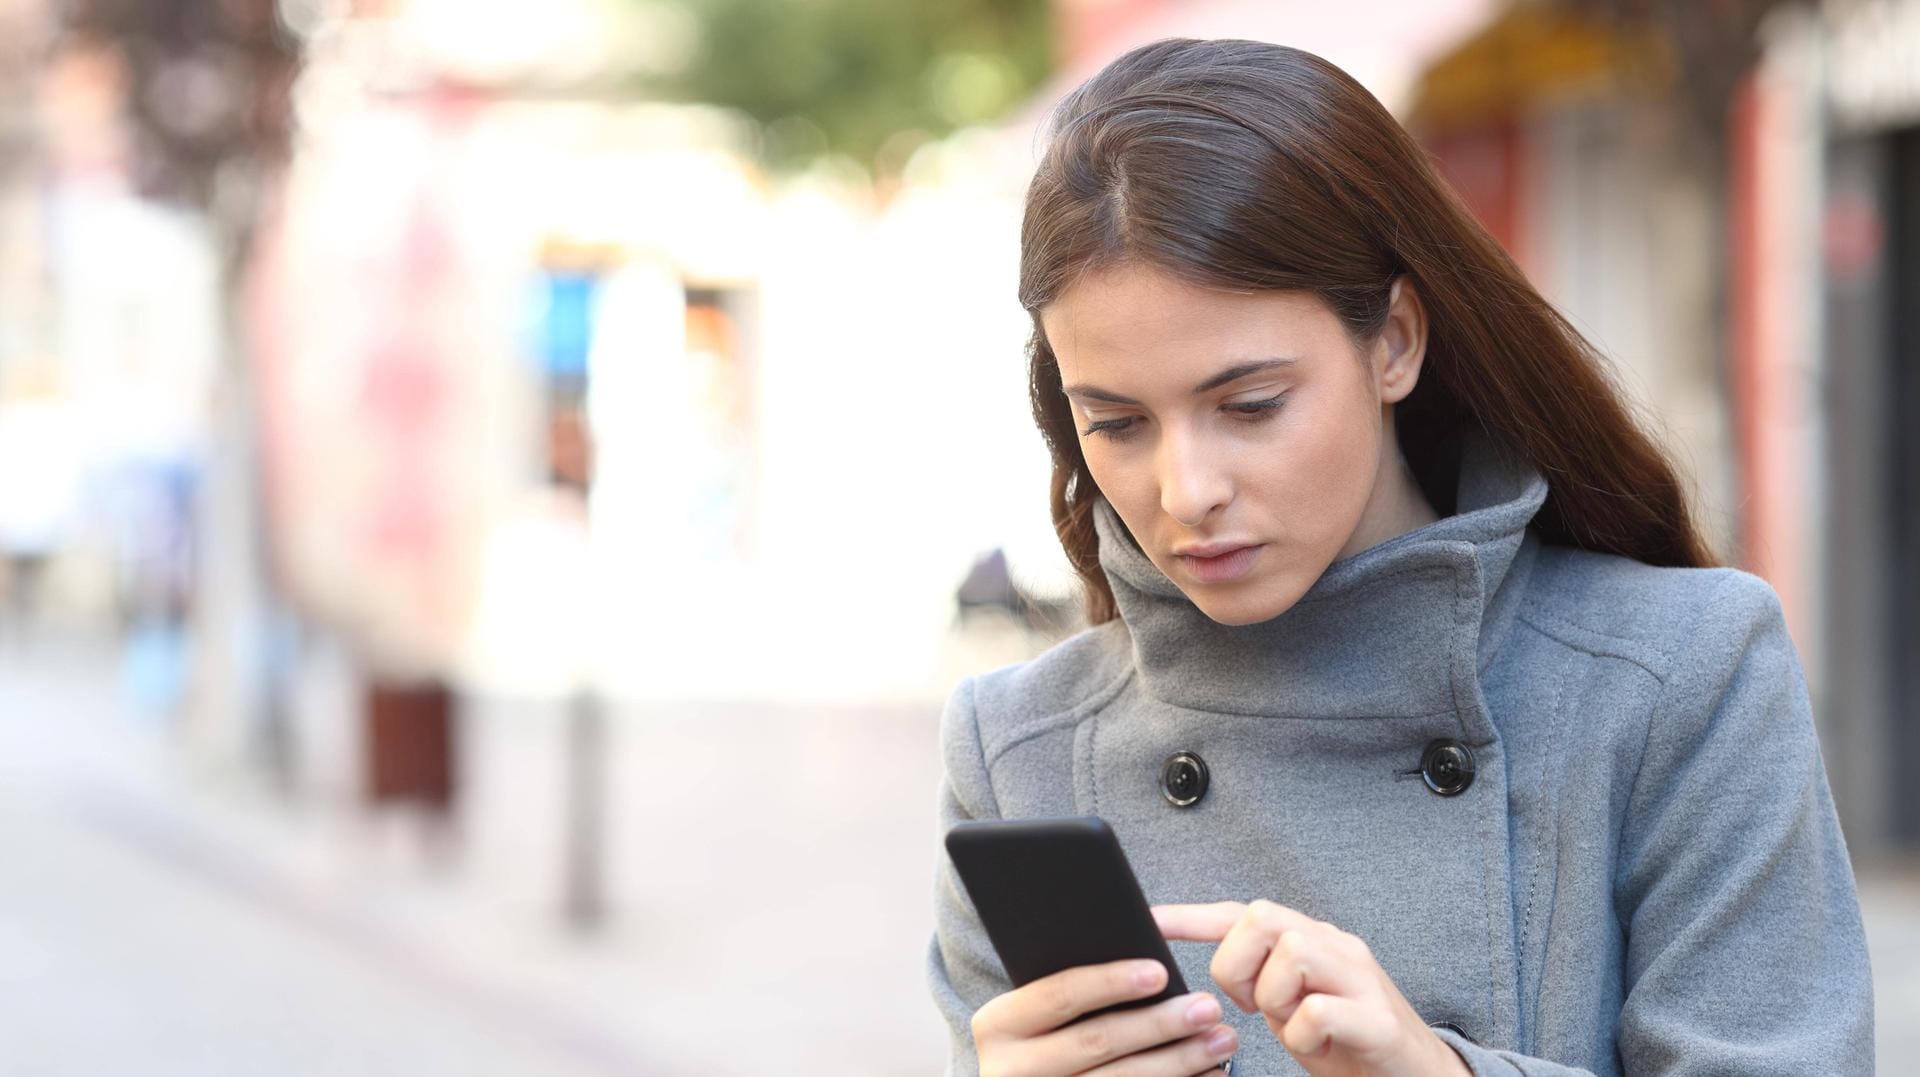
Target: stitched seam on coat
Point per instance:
(1560, 629)
(1646, 737)
(1486, 840)
(1071, 716)
(1093, 772)
(1537, 609)
(1584, 647)
(973, 714)
(1444, 712)
(1551, 819)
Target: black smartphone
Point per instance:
(1058, 892)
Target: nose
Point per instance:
(1193, 482)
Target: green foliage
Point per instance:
(848, 76)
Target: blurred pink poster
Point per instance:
(374, 337)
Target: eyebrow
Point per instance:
(1232, 373)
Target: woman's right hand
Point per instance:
(1019, 1033)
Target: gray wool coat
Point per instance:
(1645, 873)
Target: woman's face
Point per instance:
(1209, 417)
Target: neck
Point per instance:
(1397, 506)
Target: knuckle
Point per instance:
(1172, 1018)
(1119, 984)
(1138, 1064)
(1093, 1039)
(1267, 997)
(1293, 1035)
(1193, 1055)
(1217, 968)
(987, 1018)
(1058, 1000)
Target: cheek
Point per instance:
(1127, 486)
(1323, 475)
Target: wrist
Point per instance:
(1447, 1059)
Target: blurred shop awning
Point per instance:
(1534, 56)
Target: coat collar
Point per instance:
(1399, 629)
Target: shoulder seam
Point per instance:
(1593, 642)
(986, 771)
(1646, 738)
(1071, 715)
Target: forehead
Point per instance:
(1133, 320)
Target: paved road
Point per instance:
(124, 956)
(131, 942)
(771, 903)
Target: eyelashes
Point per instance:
(1255, 411)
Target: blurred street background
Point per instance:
(493, 495)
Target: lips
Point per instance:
(1234, 563)
(1212, 549)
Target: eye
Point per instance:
(1254, 411)
(1259, 409)
(1112, 428)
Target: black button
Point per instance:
(1183, 779)
(1447, 766)
(1450, 1026)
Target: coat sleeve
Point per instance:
(1745, 952)
(963, 971)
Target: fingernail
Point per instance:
(1221, 1041)
(1146, 975)
(1203, 1011)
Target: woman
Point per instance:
(1411, 689)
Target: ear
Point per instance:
(1402, 345)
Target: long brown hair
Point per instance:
(1243, 165)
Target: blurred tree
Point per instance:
(208, 87)
(866, 78)
(208, 99)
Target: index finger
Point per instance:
(1199, 923)
(1051, 1001)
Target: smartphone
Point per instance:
(1058, 892)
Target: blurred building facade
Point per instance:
(586, 466)
(1733, 241)
(1860, 222)
(559, 391)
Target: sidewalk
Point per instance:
(727, 952)
(142, 934)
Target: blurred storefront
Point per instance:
(472, 314)
(1721, 212)
(1865, 239)
(547, 377)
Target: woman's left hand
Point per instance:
(1319, 988)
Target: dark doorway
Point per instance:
(1869, 710)
(1903, 490)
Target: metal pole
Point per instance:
(585, 897)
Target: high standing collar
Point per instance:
(1398, 629)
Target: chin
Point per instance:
(1249, 602)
